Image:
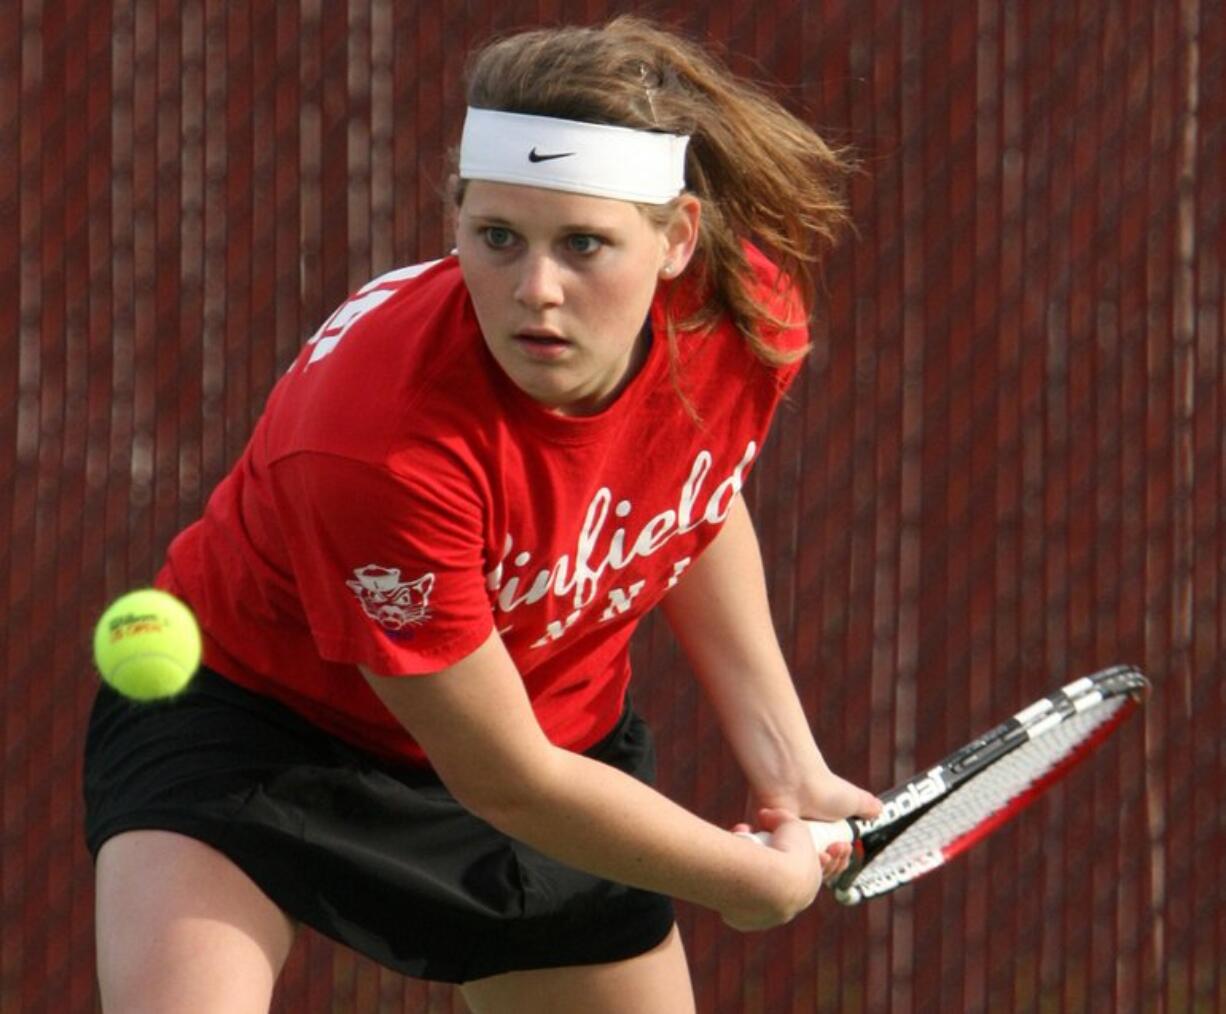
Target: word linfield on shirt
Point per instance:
(578, 577)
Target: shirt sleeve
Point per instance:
(389, 567)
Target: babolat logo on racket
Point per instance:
(873, 883)
(908, 800)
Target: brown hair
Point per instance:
(761, 173)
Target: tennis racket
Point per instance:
(933, 817)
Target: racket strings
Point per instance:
(985, 801)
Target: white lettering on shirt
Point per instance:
(620, 600)
(577, 576)
(371, 296)
(678, 569)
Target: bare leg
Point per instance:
(180, 928)
(657, 982)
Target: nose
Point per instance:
(540, 283)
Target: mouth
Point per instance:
(541, 343)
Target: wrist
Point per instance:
(782, 879)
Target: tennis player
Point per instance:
(418, 584)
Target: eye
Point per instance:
(584, 244)
(498, 237)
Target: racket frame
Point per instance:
(907, 802)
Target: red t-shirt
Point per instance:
(400, 497)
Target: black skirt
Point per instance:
(376, 855)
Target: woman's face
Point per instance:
(562, 284)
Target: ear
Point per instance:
(680, 235)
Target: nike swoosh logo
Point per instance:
(534, 157)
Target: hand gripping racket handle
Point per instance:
(823, 833)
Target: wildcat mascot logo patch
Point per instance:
(392, 603)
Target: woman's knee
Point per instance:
(180, 927)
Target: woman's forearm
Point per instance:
(721, 616)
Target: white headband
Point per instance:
(582, 158)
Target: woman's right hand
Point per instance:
(796, 874)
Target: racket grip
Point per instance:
(823, 833)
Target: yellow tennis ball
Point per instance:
(147, 645)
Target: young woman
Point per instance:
(419, 583)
